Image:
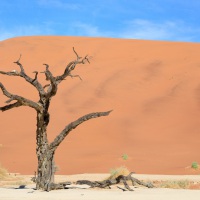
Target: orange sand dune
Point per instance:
(152, 86)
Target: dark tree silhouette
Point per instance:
(45, 151)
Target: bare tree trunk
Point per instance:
(45, 171)
(46, 168)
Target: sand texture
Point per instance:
(153, 88)
(78, 194)
(83, 192)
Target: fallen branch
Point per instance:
(119, 179)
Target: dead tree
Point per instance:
(45, 151)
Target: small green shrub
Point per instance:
(125, 157)
(195, 165)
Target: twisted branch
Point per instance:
(20, 100)
(10, 106)
(119, 179)
(22, 74)
(53, 86)
(73, 125)
(71, 66)
(36, 74)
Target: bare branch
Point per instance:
(22, 74)
(10, 106)
(19, 57)
(47, 85)
(71, 66)
(36, 74)
(78, 57)
(67, 71)
(75, 76)
(5, 92)
(86, 58)
(19, 64)
(11, 73)
(48, 74)
(53, 86)
(9, 100)
(73, 125)
(23, 101)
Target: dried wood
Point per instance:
(118, 180)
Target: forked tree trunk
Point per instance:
(45, 151)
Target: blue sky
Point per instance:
(172, 20)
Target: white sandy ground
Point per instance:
(139, 193)
(76, 194)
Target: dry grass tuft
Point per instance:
(182, 184)
(114, 173)
(3, 173)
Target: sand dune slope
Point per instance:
(153, 88)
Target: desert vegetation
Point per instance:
(177, 184)
(125, 157)
(3, 171)
(115, 172)
(195, 165)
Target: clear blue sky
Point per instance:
(173, 20)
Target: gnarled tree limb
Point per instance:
(71, 66)
(75, 76)
(19, 64)
(21, 100)
(36, 75)
(119, 179)
(11, 73)
(53, 86)
(10, 106)
(22, 74)
(73, 125)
